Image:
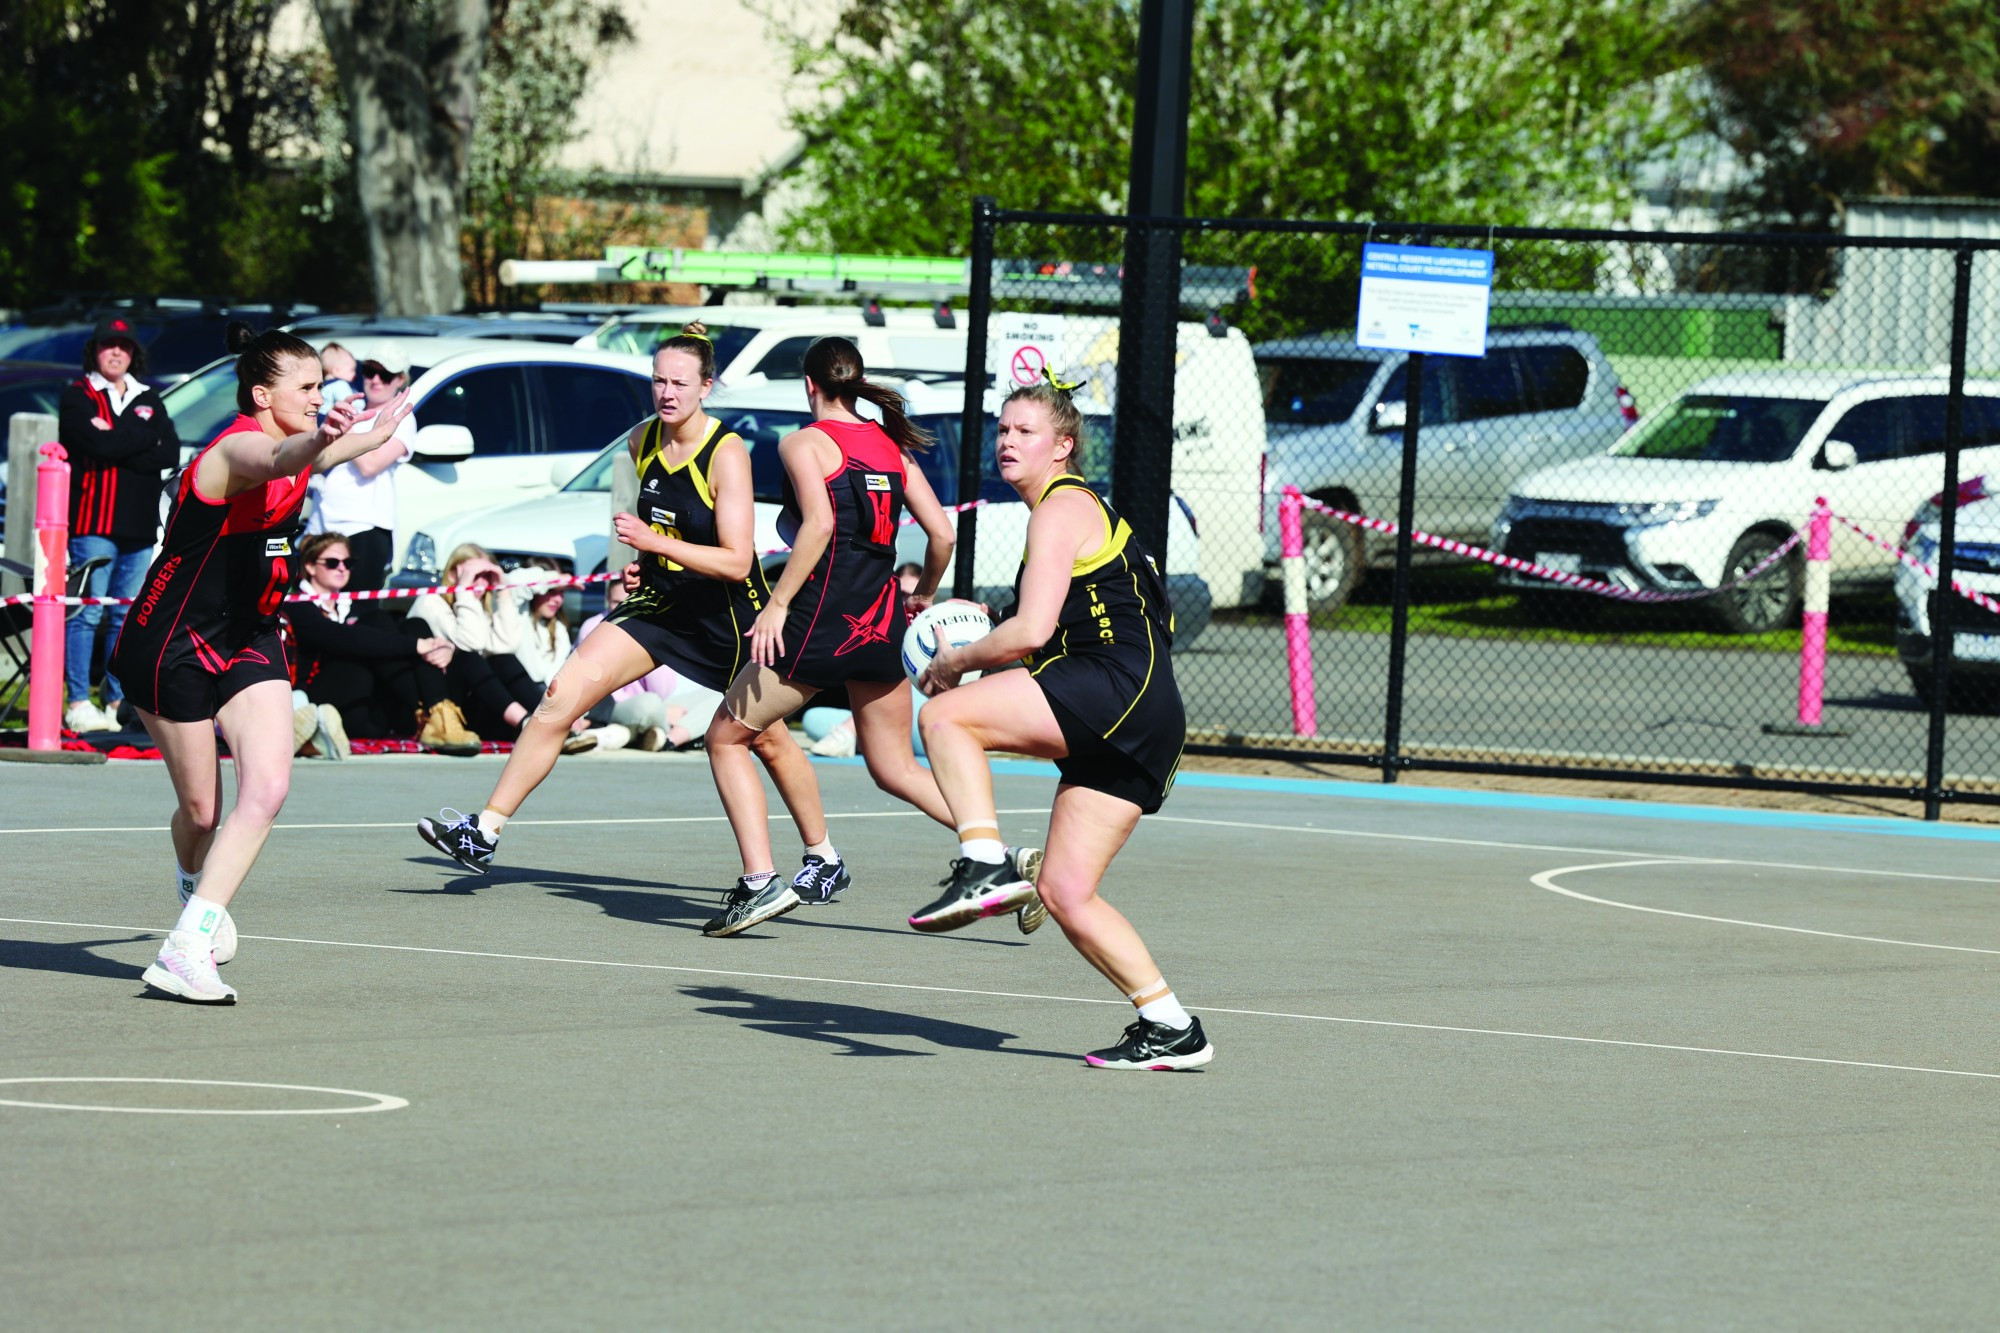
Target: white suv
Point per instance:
(497, 421)
(571, 529)
(1974, 678)
(1702, 491)
(769, 342)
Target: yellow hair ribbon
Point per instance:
(1061, 385)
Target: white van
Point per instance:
(1218, 399)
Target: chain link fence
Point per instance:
(1610, 567)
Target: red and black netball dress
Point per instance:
(688, 621)
(847, 621)
(205, 626)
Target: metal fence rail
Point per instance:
(1654, 419)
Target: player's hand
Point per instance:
(767, 634)
(630, 576)
(636, 534)
(942, 674)
(100, 423)
(916, 603)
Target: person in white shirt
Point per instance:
(359, 498)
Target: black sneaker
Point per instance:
(821, 881)
(744, 906)
(973, 890)
(1033, 912)
(458, 837)
(1150, 1045)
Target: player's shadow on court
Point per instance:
(851, 1027)
(74, 957)
(667, 905)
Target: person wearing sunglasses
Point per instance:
(382, 681)
(359, 498)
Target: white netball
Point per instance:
(954, 622)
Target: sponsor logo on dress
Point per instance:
(154, 593)
(877, 481)
(652, 483)
(665, 516)
(276, 546)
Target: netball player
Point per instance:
(837, 614)
(694, 592)
(201, 649)
(1098, 697)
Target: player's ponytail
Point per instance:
(834, 365)
(694, 340)
(261, 358)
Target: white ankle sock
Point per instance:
(823, 849)
(986, 851)
(490, 824)
(1166, 1009)
(185, 884)
(200, 917)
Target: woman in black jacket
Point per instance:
(384, 681)
(120, 442)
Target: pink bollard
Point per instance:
(45, 644)
(1298, 633)
(1812, 643)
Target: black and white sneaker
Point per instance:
(821, 881)
(746, 906)
(458, 837)
(1149, 1045)
(1033, 912)
(973, 890)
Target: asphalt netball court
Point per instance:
(1481, 1062)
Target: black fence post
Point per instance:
(1406, 517)
(972, 423)
(1935, 793)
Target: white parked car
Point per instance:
(497, 420)
(1974, 678)
(754, 342)
(571, 529)
(1699, 493)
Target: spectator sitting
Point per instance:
(487, 625)
(359, 497)
(381, 681)
(545, 646)
(662, 710)
(341, 373)
(119, 440)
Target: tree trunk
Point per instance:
(410, 73)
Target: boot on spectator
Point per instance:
(442, 728)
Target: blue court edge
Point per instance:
(1878, 825)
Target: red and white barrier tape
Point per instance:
(1576, 581)
(1973, 595)
(387, 594)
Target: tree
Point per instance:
(409, 71)
(1826, 100)
(538, 64)
(1502, 111)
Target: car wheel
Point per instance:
(1768, 602)
(1335, 561)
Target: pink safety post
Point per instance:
(45, 645)
(1812, 643)
(1298, 633)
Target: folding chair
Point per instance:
(17, 624)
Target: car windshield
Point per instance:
(1313, 390)
(640, 338)
(1723, 428)
(203, 403)
(38, 342)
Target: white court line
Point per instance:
(1030, 995)
(532, 823)
(381, 1101)
(1588, 851)
(1546, 880)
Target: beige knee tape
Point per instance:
(556, 699)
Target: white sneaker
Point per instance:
(330, 738)
(612, 736)
(187, 969)
(836, 744)
(83, 715)
(225, 934)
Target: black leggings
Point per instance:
(488, 685)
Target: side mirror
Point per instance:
(443, 443)
(1390, 417)
(1836, 456)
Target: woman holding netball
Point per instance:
(837, 614)
(1098, 697)
(201, 650)
(694, 592)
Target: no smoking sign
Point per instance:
(1023, 346)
